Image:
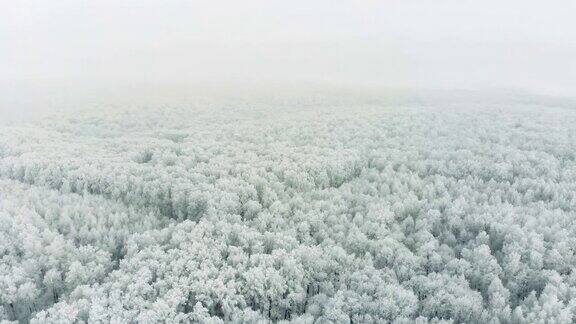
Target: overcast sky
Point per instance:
(528, 44)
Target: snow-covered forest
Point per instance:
(291, 210)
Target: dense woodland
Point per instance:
(305, 211)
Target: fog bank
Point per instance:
(75, 47)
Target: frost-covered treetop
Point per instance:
(304, 210)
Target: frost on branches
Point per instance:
(297, 211)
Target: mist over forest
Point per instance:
(287, 162)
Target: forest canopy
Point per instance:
(303, 210)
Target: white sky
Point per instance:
(465, 44)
